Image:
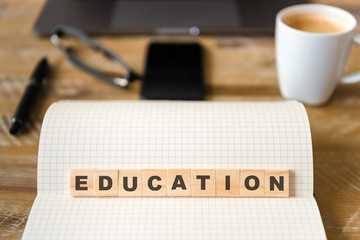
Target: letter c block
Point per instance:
(154, 182)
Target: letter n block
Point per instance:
(130, 183)
(228, 182)
(179, 182)
(82, 182)
(106, 183)
(154, 182)
(203, 182)
(252, 183)
(277, 183)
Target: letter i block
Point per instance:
(130, 183)
(154, 182)
(276, 183)
(179, 182)
(106, 183)
(252, 183)
(82, 182)
(203, 182)
(228, 182)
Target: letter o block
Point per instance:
(252, 183)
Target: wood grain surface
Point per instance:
(238, 68)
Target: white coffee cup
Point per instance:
(310, 65)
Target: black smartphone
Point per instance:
(174, 71)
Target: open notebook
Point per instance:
(163, 134)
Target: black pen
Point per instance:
(32, 90)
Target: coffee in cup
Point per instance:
(316, 22)
(312, 46)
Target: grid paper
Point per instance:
(164, 134)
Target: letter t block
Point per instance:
(203, 182)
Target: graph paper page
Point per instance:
(164, 134)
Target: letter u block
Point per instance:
(106, 183)
(130, 183)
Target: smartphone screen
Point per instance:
(174, 71)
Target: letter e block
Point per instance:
(203, 182)
(82, 182)
(252, 183)
(130, 183)
(106, 183)
(228, 182)
(154, 182)
(277, 183)
(179, 182)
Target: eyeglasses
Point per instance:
(62, 32)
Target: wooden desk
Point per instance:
(237, 69)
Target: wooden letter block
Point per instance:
(203, 182)
(154, 182)
(106, 183)
(252, 183)
(130, 183)
(227, 182)
(276, 183)
(82, 182)
(179, 182)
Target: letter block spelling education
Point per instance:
(179, 183)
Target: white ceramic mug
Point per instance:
(310, 65)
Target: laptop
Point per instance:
(180, 17)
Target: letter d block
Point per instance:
(252, 183)
(154, 182)
(276, 183)
(106, 183)
(203, 182)
(82, 182)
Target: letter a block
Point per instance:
(179, 182)
(154, 182)
(82, 182)
(130, 183)
(276, 183)
(203, 182)
(106, 183)
(227, 182)
(252, 183)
